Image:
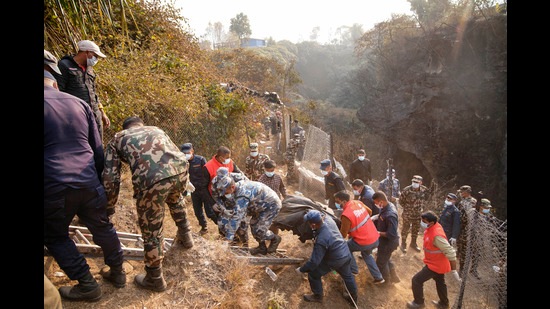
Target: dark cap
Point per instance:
(465, 188)
(357, 182)
(186, 148)
(486, 203)
(452, 196)
(313, 216)
(324, 164)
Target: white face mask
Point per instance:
(415, 185)
(423, 224)
(361, 158)
(448, 203)
(227, 161)
(269, 174)
(188, 156)
(253, 153)
(356, 192)
(324, 173)
(91, 61)
(229, 196)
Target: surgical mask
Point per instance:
(91, 61)
(355, 192)
(188, 156)
(361, 158)
(253, 153)
(485, 210)
(423, 224)
(227, 161)
(448, 203)
(269, 174)
(415, 185)
(228, 196)
(324, 173)
(338, 206)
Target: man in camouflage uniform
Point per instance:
(412, 200)
(467, 202)
(159, 176)
(256, 200)
(297, 129)
(384, 186)
(254, 163)
(290, 157)
(222, 204)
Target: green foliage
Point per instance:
(240, 26)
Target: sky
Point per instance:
(291, 20)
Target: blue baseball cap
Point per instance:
(313, 216)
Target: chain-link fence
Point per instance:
(484, 273)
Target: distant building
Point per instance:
(249, 42)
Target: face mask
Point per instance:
(355, 192)
(228, 196)
(188, 156)
(338, 206)
(253, 153)
(361, 158)
(269, 174)
(91, 61)
(485, 210)
(448, 203)
(423, 225)
(415, 185)
(378, 205)
(227, 161)
(324, 173)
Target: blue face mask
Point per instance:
(269, 174)
(338, 206)
(423, 224)
(485, 210)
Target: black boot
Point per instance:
(313, 298)
(183, 239)
(152, 280)
(274, 244)
(403, 245)
(87, 289)
(394, 277)
(116, 275)
(414, 245)
(261, 249)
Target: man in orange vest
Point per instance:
(439, 257)
(363, 235)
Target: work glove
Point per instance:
(452, 241)
(190, 188)
(374, 218)
(455, 275)
(298, 270)
(217, 207)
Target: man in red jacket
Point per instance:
(439, 257)
(363, 235)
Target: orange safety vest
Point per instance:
(212, 167)
(434, 258)
(362, 228)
